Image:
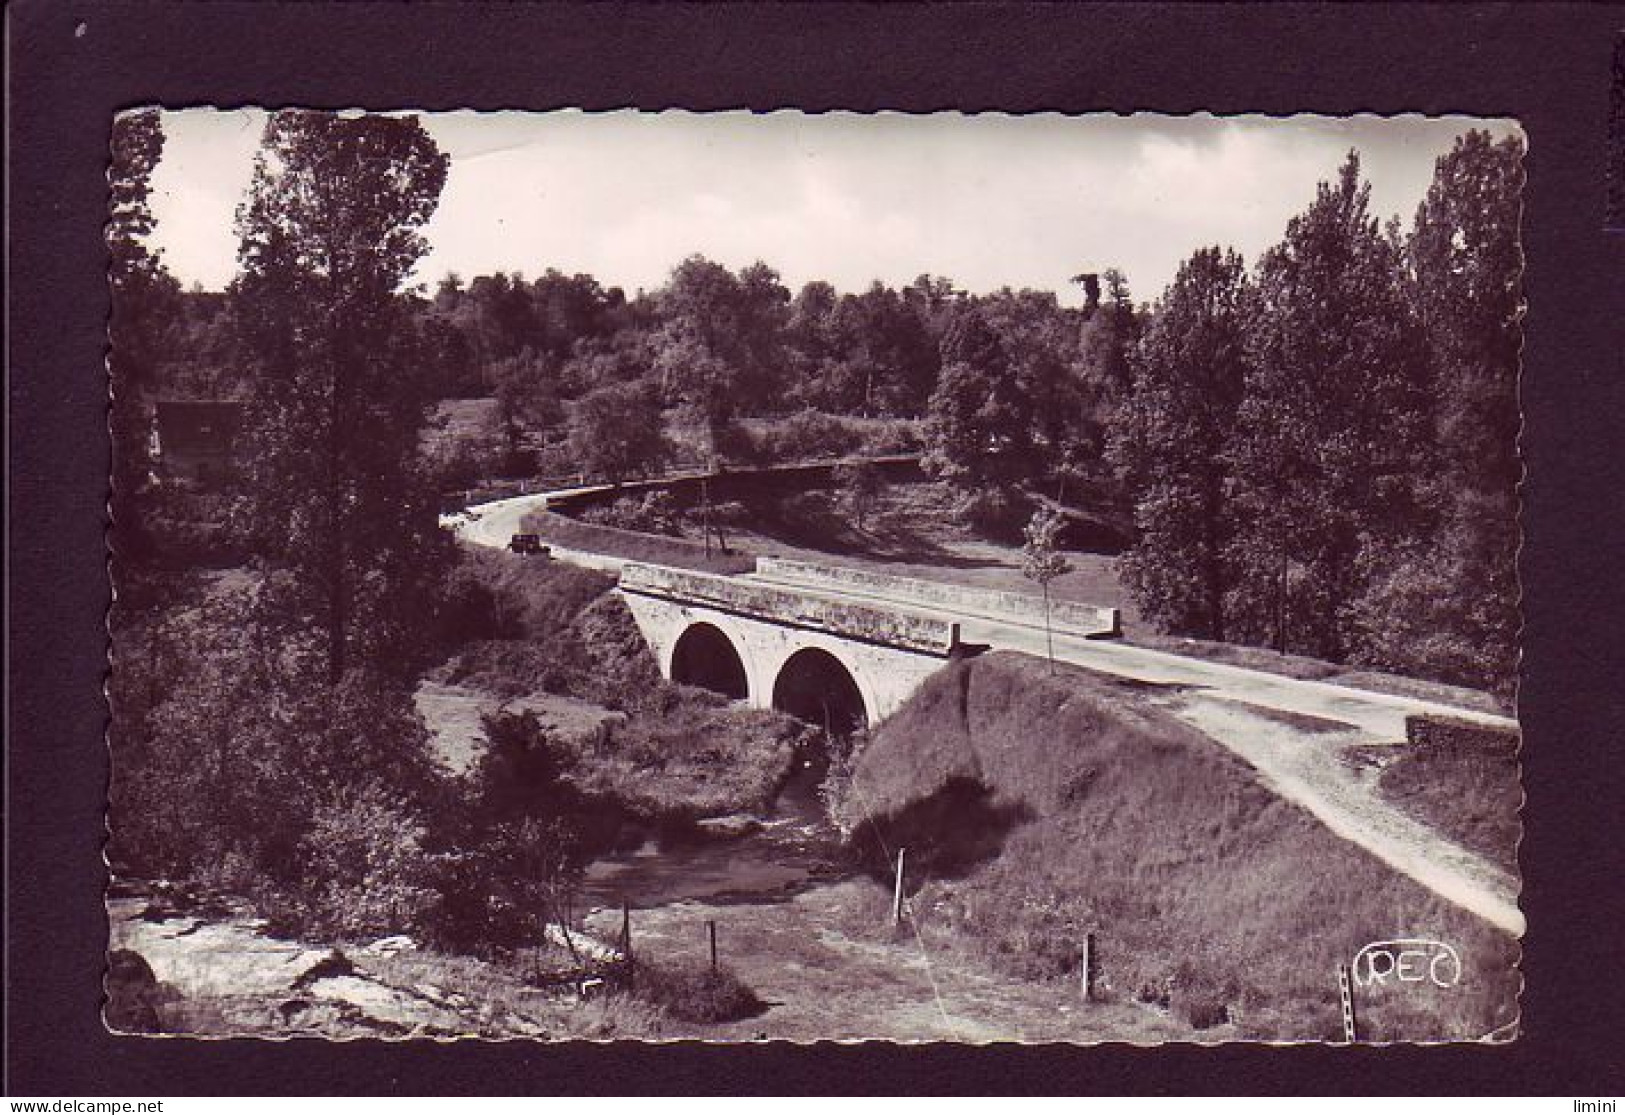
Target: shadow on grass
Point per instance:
(813, 523)
(946, 834)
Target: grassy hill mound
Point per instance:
(1040, 808)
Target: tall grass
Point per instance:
(1096, 812)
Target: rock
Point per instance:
(734, 824)
(389, 946)
(583, 945)
(384, 1007)
(332, 966)
(132, 994)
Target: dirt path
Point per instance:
(827, 965)
(1306, 766)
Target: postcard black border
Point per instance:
(72, 63)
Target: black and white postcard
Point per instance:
(728, 576)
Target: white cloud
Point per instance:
(986, 200)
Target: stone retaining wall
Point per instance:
(1023, 608)
(904, 630)
(1442, 734)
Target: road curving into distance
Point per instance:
(1231, 704)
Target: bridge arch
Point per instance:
(704, 656)
(814, 685)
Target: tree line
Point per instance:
(1322, 451)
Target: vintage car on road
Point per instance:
(528, 544)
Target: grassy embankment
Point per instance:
(1463, 781)
(1038, 809)
(595, 538)
(674, 753)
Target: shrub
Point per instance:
(1416, 618)
(652, 513)
(1203, 1010)
(515, 842)
(811, 435)
(712, 757)
(735, 443)
(892, 436)
(135, 998)
(469, 609)
(691, 992)
(530, 598)
(992, 512)
(365, 871)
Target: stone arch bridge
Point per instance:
(844, 663)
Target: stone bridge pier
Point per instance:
(843, 665)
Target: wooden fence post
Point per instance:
(1346, 992)
(1088, 967)
(897, 895)
(626, 943)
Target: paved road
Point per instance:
(493, 524)
(1299, 761)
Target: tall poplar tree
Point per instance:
(1448, 606)
(144, 301)
(1172, 444)
(330, 232)
(1333, 432)
(979, 426)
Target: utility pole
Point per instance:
(705, 513)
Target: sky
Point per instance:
(988, 200)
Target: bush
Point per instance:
(893, 436)
(811, 435)
(365, 870)
(992, 512)
(229, 747)
(736, 444)
(652, 513)
(1430, 614)
(711, 756)
(690, 992)
(515, 840)
(529, 598)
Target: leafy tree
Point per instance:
(1465, 267)
(1042, 562)
(1110, 332)
(143, 292)
(144, 301)
(718, 350)
(617, 431)
(1041, 341)
(1172, 443)
(861, 484)
(330, 233)
(527, 394)
(885, 361)
(449, 358)
(1332, 431)
(570, 309)
(979, 424)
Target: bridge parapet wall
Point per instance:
(795, 608)
(1016, 607)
